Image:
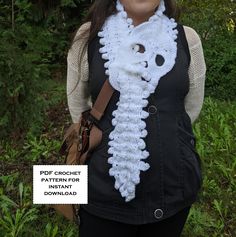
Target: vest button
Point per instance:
(152, 109)
(192, 142)
(158, 213)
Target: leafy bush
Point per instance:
(20, 74)
(215, 22)
(34, 42)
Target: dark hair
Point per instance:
(101, 9)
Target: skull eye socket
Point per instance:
(159, 60)
(138, 48)
(141, 48)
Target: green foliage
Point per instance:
(34, 41)
(21, 71)
(22, 218)
(39, 148)
(220, 55)
(215, 22)
(15, 216)
(213, 215)
(50, 230)
(19, 76)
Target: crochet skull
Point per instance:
(138, 56)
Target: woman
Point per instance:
(146, 173)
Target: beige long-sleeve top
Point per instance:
(77, 72)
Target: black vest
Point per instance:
(174, 178)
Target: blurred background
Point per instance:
(34, 39)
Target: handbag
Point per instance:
(79, 141)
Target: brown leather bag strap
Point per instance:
(102, 100)
(96, 112)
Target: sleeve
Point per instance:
(78, 96)
(197, 74)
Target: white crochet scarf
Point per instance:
(135, 74)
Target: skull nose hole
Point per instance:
(159, 60)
